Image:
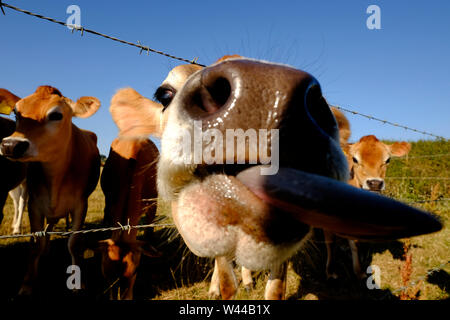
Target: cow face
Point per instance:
(44, 124)
(370, 158)
(227, 207)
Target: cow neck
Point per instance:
(55, 170)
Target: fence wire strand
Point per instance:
(390, 123)
(126, 227)
(421, 278)
(192, 61)
(83, 30)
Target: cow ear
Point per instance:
(84, 107)
(136, 115)
(399, 149)
(228, 57)
(7, 101)
(343, 125)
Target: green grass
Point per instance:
(178, 274)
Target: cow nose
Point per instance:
(375, 184)
(253, 94)
(14, 148)
(247, 94)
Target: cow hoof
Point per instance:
(332, 276)
(248, 287)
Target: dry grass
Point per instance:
(180, 275)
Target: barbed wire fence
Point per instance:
(390, 123)
(82, 30)
(126, 228)
(148, 50)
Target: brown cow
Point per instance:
(129, 184)
(230, 211)
(367, 160)
(64, 165)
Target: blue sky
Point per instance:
(400, 73)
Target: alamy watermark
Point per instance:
(373, 22)
(211, 147)
(74, 20)
(74, 280)
(374, 279)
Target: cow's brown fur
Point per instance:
(129, 184)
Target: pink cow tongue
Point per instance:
(338, 207)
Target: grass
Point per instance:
(178, 274)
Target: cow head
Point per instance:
(238, 204)
(43, 123)
(370, 158)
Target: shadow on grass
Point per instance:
(440, 278)
(176, 267)
(310, 264)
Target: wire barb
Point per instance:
(40, 234)
(1, 7)
(126, 227)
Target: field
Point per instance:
(422, 178)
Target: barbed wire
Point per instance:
(419, 178)
(192, 61)
(126, 227)
(83, 30)
(422, 156)
(424, 201)
(421, 278)
(390, 123)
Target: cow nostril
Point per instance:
(214, 94)
(20, 148)
(320, 111)
(220, 91)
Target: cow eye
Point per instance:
(165, 95)
(55, 116)
(388, 160)
(355, 160)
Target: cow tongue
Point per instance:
(338, 207)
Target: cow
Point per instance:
(230, 211)
(128, 182)
(13, 172)
(367, 160)
(63, 166)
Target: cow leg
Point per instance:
(329, 242)
(214, 287)
(223, 280)
(19, 196)
(38, 247)
(247, 279)
(127, 293)
(78, 217)
(276, 285)
(355, 259)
